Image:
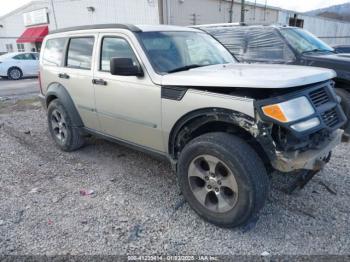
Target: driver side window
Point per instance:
(115, 47)
(199, 54)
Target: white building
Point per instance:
(24, 28)
(192, 12)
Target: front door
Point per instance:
(128, 107)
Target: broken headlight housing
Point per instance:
(291, 111)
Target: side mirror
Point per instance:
(125, 67)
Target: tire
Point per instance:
(66, 137)
(345, 103)
(14, 73)
(237, 159)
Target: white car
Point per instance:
(17, 65)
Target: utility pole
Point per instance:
(194, 18)
(53, 13)
(242, 11)
(254, 10)
(231, 11)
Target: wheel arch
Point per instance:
(58, 91)
(202, 121)
(342, 84)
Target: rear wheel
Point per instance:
(345, 103)
(223, 179)
(14, 73)
(67, 137)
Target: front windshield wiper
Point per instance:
(317, 50)
(184, 68)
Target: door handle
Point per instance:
(99, 82)
(65, 76)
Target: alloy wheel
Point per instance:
(213, 183)
(59, 126)
(15, 74)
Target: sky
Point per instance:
(296, 5)
(302, 5)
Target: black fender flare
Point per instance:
(197, 118)
(56, 90)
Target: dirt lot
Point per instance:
(136, 207)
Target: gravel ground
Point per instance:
(136, 207)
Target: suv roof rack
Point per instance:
(98, 26)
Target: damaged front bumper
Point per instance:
(313, 159)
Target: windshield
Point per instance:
(178, 51)
(303, 41)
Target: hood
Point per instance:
(249, 76)
(338, 62)
(335, 58)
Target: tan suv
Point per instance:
(176, 92)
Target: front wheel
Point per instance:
(345, 104)
(223, 179)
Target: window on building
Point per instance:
(114, 47)
(293, 21)
(20, 47)
(80, 52)
(9, 48)
(53, 51)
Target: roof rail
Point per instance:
(98, 26)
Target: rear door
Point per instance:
(68, 61)
(76, 76)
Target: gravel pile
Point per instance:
(108, 199)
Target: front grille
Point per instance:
(325, 102)
(330, 117)
(319, 97)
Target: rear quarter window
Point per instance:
(53, 52)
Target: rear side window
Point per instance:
(254, 44)
(80, 52)
(264, 44)
(53, 51)
(24, 57)
(233, 38)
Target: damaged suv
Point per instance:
(178, 93)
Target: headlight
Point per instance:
(289, 111)
(305, 125)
